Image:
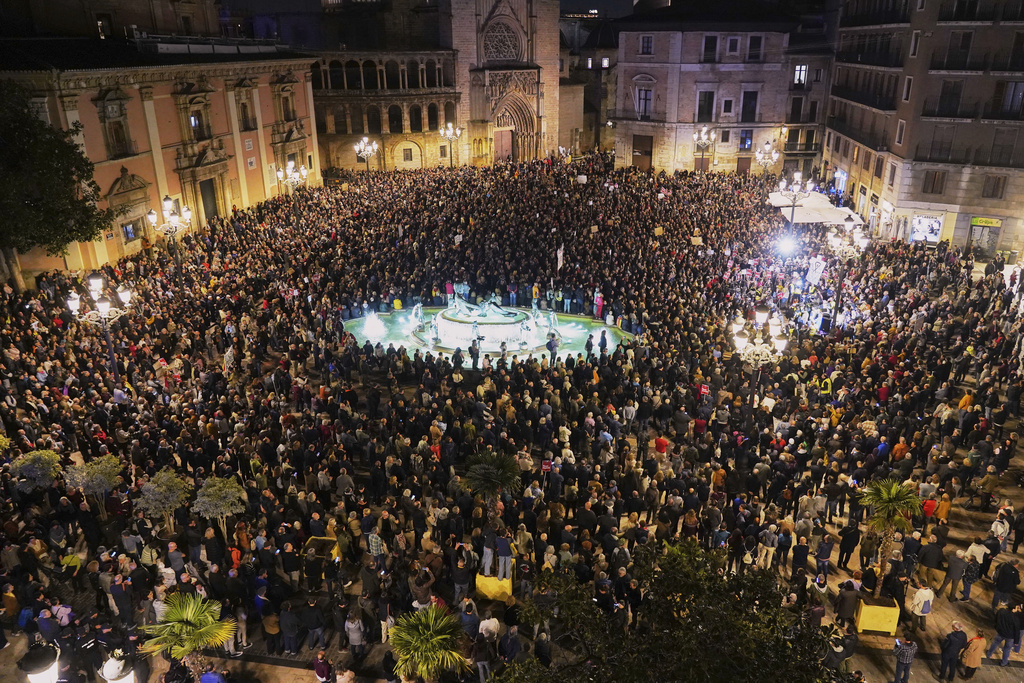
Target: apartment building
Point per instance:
(743, 74)
(925, 118)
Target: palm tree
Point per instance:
(489, 474)
(892, 504)
(428, 642)
(190, 624)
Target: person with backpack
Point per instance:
(921, 607)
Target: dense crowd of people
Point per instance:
(233, 361)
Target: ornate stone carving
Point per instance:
(502, 43)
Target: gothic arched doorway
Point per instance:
(514, 130)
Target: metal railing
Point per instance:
(954, 12)
(120, 150)
(1011, 62)
(1000, 113)
(202, 132)
(958, 62)
(873, 141)
(875, 18)
(873, 100)
(949, 109)
(889, 60)
(792, 147)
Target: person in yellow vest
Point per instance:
(825, 388)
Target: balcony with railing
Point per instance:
(248, 123)
(874, 141)
(122, 149)
(997, 112)
(958, 61)
(998, 156)
(887, 60)
(949, 109)
(1007, 62)
(878, 101)
(801, 147)
(1012, 14)
(966, 13)
(803, 117)
(875, 18)
(632, 115)
(803, 86)
(201, 132)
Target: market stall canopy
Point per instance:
(813, 200)
(842, 215)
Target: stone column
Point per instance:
(314, 173)
(236, 139)
(261, 161)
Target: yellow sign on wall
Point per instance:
(987, 222)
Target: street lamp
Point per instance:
(754, 349)
(118, 668)
(173, 225)
(767, 156)
(796, 193)
(40, 663)
(104, 312)
(845, 252)
(366, 149)
(292, 177)
(451, 135)
(703, 139)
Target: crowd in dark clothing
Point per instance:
(234, 362)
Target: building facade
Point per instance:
(205, 123)
(925, 120)
(399, 99)
(745, 80)
(507, 71)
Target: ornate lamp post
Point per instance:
(103, 314)
(767, 156)
(796, 191)
(366, 149)
(451, 135)
(759, 347)
(172, 225)
(291, 176)
(703, 139)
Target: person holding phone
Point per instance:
(905, 651)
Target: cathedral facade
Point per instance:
(508, 73)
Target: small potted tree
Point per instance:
(190, 625)
(96, 478)
(35, 470)
(162, 495)
(892, 504)
(428, 643)
(217, 499)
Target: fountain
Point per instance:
(489, 323)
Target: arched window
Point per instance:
(373, 120)
(356, 116)
(392, 76)
(340, 125)
(395, 119)
(449, 113)
(318, 80)
(415, 119)
(370, 76)
(353, 73)
(336, 76)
